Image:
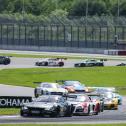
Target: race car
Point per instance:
(104, 89)
(121, 64)
(119, 97)
(51, 105)
(97, 100)
(72, 86)
(110, 102)
(51, 62)
(5, 60)
(90, 63)
(47, 88)
(82, 104)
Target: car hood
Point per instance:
(79, 87)
(54, 89)
(40, 104)
(74, 102)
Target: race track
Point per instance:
(108, 116)
(30, 63)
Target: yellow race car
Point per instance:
(110, 102)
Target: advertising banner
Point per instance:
(13, 101)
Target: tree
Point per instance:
(94, 8)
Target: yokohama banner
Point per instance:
(13, 101)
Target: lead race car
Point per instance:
(51, 62)
(51, 105)
(5, 60)
(47, 88)
(90, 63)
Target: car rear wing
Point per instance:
(37, 82)
(60, 81)
(61, 58)
(103, 59)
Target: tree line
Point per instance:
(72, 8)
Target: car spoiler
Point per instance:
(62, 81)
(103, 59)
(37, 82)
(62, 58)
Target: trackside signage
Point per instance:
(13, 101)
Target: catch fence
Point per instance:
(80, 36)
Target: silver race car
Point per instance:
(47, 88)
(90, 63)
(51, 105)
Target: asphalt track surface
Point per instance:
(30, 63)
(108, 116)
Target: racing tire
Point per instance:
(102, 107)
(69, 112)
(6, 62)
(24, 114)
(56, 113)
(35, 93)
(76, 65)
(100, 64)
(46, 64)
(88, 110)
(82, 65)
(61, 64)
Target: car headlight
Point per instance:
(24, 107)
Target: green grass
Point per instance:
(60, 56)
(9, 111)
(65, 124)
(93, 76)
(38, 56)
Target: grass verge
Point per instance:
(93, 76)
(9, 111)
(60, 56)
(38, 56)
(66, 124)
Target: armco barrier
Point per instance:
(13, 101)
(115, 52)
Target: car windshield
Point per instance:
(93, 97)
(78, 99)
(46, 99)
(48, 85)
(108, 95)
(72, 83)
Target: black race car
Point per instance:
(51, 105)
(90, 63)
(5, 60)
(121, 64)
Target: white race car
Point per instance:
(50, 62)
(82, 104)
(47, 88)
